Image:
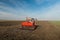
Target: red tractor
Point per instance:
(30, 23)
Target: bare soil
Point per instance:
(45, 31)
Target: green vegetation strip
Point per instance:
(55, 22)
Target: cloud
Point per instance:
(19, 9)
(48, 2)
(5, 16)
(10, 16)
(53, 13)
(7, 12)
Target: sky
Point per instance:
(20, 9)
